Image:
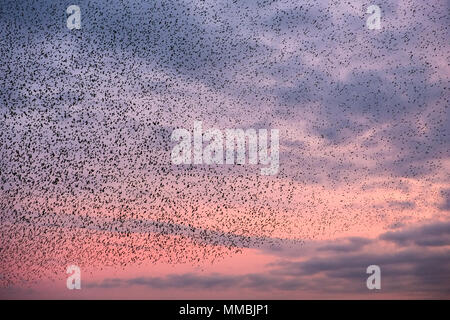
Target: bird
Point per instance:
(87, 115)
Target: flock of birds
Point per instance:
(86, 117)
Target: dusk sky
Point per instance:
(87, 179)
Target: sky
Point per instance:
(85, 143)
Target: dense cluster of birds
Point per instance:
(86, 117)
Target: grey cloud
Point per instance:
(402, 204)
(348, 245)
(446, 197)
(408, 272)
(128, 225)
(432, 234)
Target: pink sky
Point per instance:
(87, 179)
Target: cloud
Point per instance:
(88, 115)
(446, 195)
(407, 271)
(348, 245)
(141, 226)
(189, 280)
(428, 235)
(402, 204)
